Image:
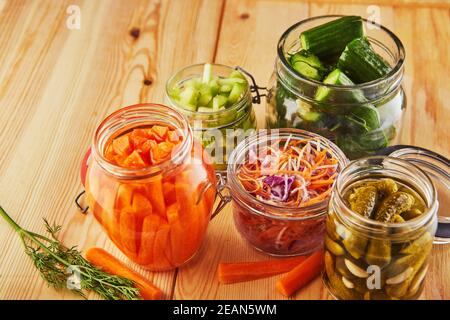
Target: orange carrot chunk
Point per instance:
(300, 275)
(102, 259)
(247, 271)
(121, 145)
(160, 131)
(134, 160)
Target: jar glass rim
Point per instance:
(244, 198)
(393, 73)
(340, 186)
(118, 119)
(235, 107)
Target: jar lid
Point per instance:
(437, 167)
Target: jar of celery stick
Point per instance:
(217, 100)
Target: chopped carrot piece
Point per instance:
(173, 136)
(169, 193)
(301, 275)
(161, 151)
(102, 259)
(129, 232)
(141, 205)
(148, 145)
(134, 160)
(155, 193)
(149, 229)
(162, 243)
(246, 271)
(160, 131)
(121, 145)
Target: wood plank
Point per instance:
(56, 85)
(248, 38)
(443, 4)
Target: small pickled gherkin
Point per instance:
(411, 214)
(386, 186)
(378, 252)
(333, 246)
(363, 200)
(396, 203)
(355, 245)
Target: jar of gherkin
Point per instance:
(381, 224)
(217, 100)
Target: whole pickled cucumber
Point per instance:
(414, 255)
(395, 203)
(423, 243)
(363, 200)
(397, 219)
(331, 228)
(329, 264)
(355, 245)
(411, 214)
(398, 290)
(386, 186)
(342, 268)
(333, 246)
(378, 252)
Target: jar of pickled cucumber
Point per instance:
(148, 181)
(313, 91)
(380, 228)
(217, 100)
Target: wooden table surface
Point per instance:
(57, 84)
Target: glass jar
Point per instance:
(291, 99)
(219, 131)
(369, 259)
(147, 211)
(274, 229)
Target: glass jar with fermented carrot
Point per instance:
(151, 185)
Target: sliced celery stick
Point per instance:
(214, 87)
(235, 93)
(204, 99)
(225, 88)
(231, 81)
(236, 74)
(189, 96)
(204, 109)
(206, 73)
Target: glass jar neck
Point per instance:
(384, 167)
(258, 142)
(138, 116)
(382, 40)
(213, 119)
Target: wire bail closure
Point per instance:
(254, 88)
(77, 202)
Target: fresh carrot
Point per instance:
(300, 275)
(102, 259)
(246, 271)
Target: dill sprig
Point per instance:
(57, 264)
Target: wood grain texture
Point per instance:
(395, 3)
(57, 84)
